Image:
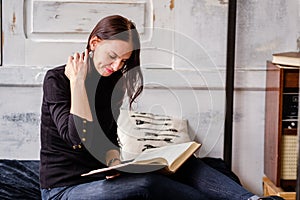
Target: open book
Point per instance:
(167, 158)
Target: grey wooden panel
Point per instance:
(80, 16)
(1, 33)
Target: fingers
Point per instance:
(77, 66)
(113, 176)
(76, 56)
(76, 60)
(86, 55)
(83, 57)
(69, 66)
(70, 59)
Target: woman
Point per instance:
(78, 128)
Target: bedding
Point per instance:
(19, 179)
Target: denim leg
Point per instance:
(210, 182)
(127, 186)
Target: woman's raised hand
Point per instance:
(76, 68)
(76, 71)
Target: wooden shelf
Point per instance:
(281, 118)
(271, 189)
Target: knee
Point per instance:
(156, 187)
(151, 185)
(150, 181)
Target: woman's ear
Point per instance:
(93, 42)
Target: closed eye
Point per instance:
(112, 56)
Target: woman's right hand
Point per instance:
(76, 68)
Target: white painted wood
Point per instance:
(50, 31)
(80, 16)
(19, 122)
(248, 138)
(197, 23)
(1, 34)
(252, 80)
(36, 36)
(158, 50)
(13, 33)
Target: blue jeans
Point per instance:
(194, 180)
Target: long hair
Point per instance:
(116, 27)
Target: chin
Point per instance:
(103, 73)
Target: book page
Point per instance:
(169, 153)
(152, 159)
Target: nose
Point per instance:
(117, 64)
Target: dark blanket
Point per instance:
(19, 179)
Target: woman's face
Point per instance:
(110, 55)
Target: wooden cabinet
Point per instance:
(281, 117)
(270, 188)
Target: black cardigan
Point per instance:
(71, 145)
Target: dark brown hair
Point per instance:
(116, 27)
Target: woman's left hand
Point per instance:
(113, 176)
(76, 68)
(116, 162)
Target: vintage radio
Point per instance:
(289, 136)
(290, 106)
(281, 126)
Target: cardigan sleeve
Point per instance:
(57, 96)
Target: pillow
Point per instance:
(138, 131)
